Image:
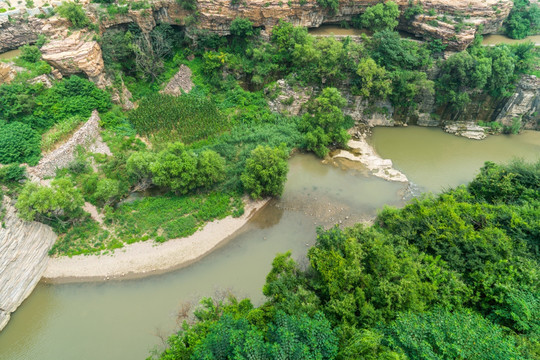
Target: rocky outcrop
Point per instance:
(18, 33)
(7, 73)
(466, 129)
(286, 99)
(87, 136)
(74, 55)
(361, 151)
(217, 16)
(23, 258)
(524, 104)
(181, 82)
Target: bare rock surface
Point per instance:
(87, 136)
(363, 152)
(287, 99)
(523, 104)
(74, 54)
(466, 129)
(181, 82)
(7, 73)
(24, 248)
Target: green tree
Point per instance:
(442, 335)
(74, 13)
(388, 49)
(138, 167)
(12, 173)
(373, 80)
(210, 168)
(382, 16)
(175, 168)
(61, 202)
(266, 171)
(324, 123)
(503, 66)
(107, 191)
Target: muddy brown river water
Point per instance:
(121, 320)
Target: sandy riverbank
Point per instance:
(148, 258)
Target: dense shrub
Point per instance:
(74, 13)
(442, 335)
(30, 53)
(60, 203)
(19, 143)
(12, 173)
(324, 124)
(266, 171)
(382, 16)
(524, 20)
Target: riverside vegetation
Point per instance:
(446, 277)
(452, 276)
(197, 145)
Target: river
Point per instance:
(10, 54)
(120, 320)
(331, 29)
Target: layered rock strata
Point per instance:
(23, 258)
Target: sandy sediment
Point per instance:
(148, 258)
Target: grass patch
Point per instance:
(59, 133)
(188, 118)
(158, 218)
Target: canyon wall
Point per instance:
(24, 248)
(217, 15)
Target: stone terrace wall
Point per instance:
(87, 136)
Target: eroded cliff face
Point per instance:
(23, 258)
(217, 16)
(524, 105)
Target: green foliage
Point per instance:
(392, 52)
(382, 16)
(524, 20)
(30, 53)
(443, 335)
(408, 87)
(333, 5)
(171, 216)
(266, 171)
(373, 80)
(40, 108)
(190, 5)
(182, 171)
(423, 282)
(74, 13)
(189, 117)
(237, 330)
(12, 173)
(60, 203)
(412, 10)
(59, 132)
(324, 124)
(18, 143)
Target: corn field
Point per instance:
(187, 118)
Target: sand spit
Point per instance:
(148, 258)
